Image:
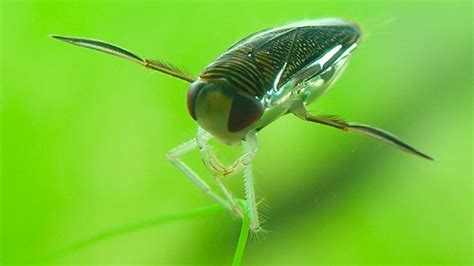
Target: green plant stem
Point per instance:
(244, 233)
(135, 227)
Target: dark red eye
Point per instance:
(245, 110)
(191, 98)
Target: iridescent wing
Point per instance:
(269, 58)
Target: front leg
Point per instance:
(174, 157)
(208, 157)
(215, 167)
(213, 164)
(250, 147)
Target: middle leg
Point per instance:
(244, 162)
(174, 157)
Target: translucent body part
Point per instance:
(306, 86)
(219, 170)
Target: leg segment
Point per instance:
(208, 157)
(213, 164)
(250, 149)
(174, 155)
(333, 121)
(215, 167)
(245, 161)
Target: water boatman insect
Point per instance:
(266, 75)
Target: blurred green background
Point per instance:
(84, 137)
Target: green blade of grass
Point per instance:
(208, 210)
(244, 233)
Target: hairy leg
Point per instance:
(333, 121)
(250, 149)
(250, 146)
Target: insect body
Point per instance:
(266, 75)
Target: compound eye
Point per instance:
(245, 111)
(191, 96)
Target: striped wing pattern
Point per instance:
(252, 65)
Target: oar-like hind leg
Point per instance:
(300, 111)
(112, 49)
